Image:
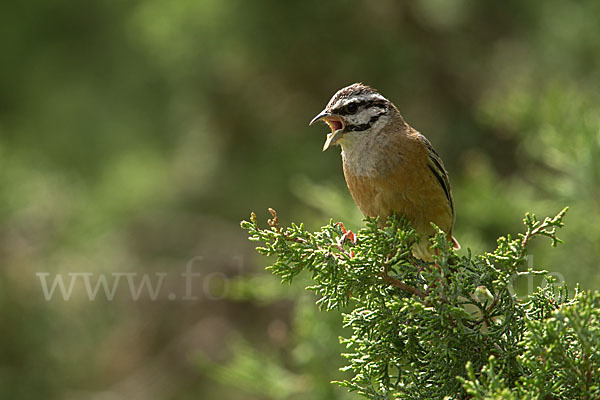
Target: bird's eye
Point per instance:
(351, 108)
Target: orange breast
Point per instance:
(405, 186)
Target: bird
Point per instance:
(389, 167)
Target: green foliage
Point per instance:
(561, 354)
(429, 330)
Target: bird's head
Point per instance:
(354, 110)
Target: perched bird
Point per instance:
(389, 167)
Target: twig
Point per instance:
(274, 223)
(399, 284)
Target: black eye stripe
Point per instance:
(362, 104)
(364, 127)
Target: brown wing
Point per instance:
(436, 166)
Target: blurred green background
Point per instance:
(134, 136)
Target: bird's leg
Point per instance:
(347, 234)
(439, 280)
(419, 266)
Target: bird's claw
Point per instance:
(347, 234)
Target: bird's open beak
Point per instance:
(336, 123)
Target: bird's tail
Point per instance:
(455, 244)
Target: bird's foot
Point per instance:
(347, 234)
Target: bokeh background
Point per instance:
(134, 136)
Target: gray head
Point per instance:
(353, 110)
